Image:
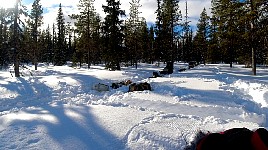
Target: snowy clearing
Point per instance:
(56, 108)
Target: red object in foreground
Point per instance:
(235, 139)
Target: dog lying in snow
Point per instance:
(120, 84)
(100, 87)
(139, 87)
(232, 139)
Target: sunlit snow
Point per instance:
(56, 108)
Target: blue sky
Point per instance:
(27, 1)
(147, 10)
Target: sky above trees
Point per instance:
(147, 10)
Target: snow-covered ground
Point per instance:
(55, 108)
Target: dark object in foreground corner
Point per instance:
(139, 87)
(232, 139)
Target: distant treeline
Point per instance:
(235, 32)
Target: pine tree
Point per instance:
(201, 38)
(4, 39)
(96, 39)
(239, 32)
(16, 39)
(42, 44)
(134, 29)
(168, 20)
(12, 34)
(27, 46)
(214, 52)
(48, 55)
(60, 51)
(158, 31)
(151, 42)
(228, 14)
(263, 33)
(113, 33)
(257, 16)
(187, 53)
(54, 40)
(69, 49)
(239, 29)
(145, 43)
(45, 46)
(87, 24)
(36, 21)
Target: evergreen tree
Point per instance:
(171, 22)
(69, 48)
(187, 53)
(145, 43)
(4, 38)
(133, 35)
(168, 19)
(36, 21)
(201, 38)
(45, 46)
(214, 52)
(159, 31)
(263, 33)
(54, 40)
(258, 25)
(96, 40)
(228, 14)
(239, 29)
(16, 35)
(113, 33)
(42, 44)
(15, 32)
(151, 42)
(48, 55)
(88, 25)
(60, 51)
(27, 46)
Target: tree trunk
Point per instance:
(16, 61)
(254, 70)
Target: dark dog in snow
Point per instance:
(232, 139)
(139, 87)
(120, 84)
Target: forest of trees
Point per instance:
(236, 32)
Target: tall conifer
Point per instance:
(133, 36)
(87, 24)
(60, 52)
(201, 38)
(36, 21)
(113, 32)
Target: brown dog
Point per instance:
(139, 87)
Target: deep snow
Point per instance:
(56, 108)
